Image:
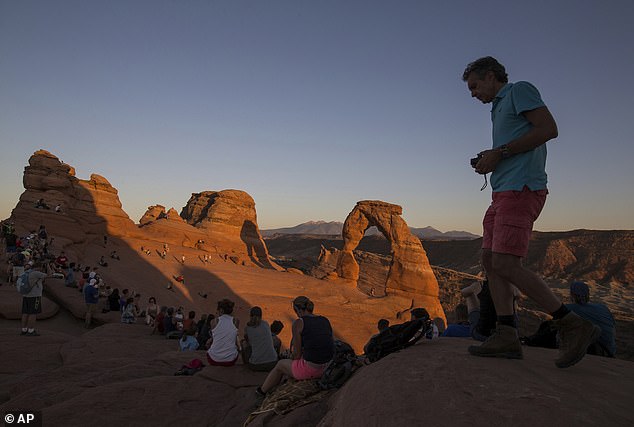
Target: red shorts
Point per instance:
(303, 371)
(508, 222)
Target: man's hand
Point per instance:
(488, 162)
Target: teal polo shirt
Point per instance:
(525, 169)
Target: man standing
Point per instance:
(522, 124)
(32, 302)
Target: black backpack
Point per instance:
(397, 337)
(340, 367)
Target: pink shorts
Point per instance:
(508, 222)
(303, 371)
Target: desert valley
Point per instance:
(121, 373)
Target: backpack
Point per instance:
(397, 337)
(340, 367)
(23, 284)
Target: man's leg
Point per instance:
(509, 269)
(25, 323)
(504, 342)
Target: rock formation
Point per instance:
(410, 272)
(87, 208)
(228, 218)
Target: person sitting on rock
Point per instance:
(179, 316)
(114, 255)
(312, 347)
(461, 326)
(123, 300)
(41, 204)
(276, 328)
(69, 280)
(58, 208)
(381, 325)
(102, 262)
(169, 325)
(223, 350)
(190, 322)
(105, 292)
(470, 295)
(159, 326)
(205, 333)
(61, 261)
(258, 351)
(597, 313)
(151, 311)
(113, 300)
(128, 315)
(188, 342)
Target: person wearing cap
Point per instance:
(91, 297)
(597, 313)
(32, 302)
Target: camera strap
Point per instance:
(485, 183)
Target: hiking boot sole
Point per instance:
(475, 351)
(596, 332)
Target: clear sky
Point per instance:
(311, 106)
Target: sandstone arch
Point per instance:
(410, 273)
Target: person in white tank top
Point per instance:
(224, 336)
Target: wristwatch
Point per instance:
(504, 150)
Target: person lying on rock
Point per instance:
(312, 347)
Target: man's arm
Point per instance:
(544, 129)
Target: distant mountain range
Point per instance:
(335, 228)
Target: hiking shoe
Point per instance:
(34, 333)
(575, 335)
(504, 342)
(259, 392)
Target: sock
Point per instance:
(507, 321)
(561, 312)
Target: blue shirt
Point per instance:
(190, 343)
(524, 169)
(600, 315)
(457, 330)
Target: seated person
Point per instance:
(597, 313)
(113, 300)
(461, 327)
(470, 295)
(129, 313)
(114, 255)
(258, 351)
(151, 311)
(102, 262)
(205, 332)
(159, 325)
(382, 325)
(223, 349)
(190, 322)
(276, 328)
(169, 325)
(61, 260)
(312, 347)
(188, 342)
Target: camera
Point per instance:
(474, 161)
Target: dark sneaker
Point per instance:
(504, 343)
(34, 333)
(575, 336)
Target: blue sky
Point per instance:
(311, 106)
